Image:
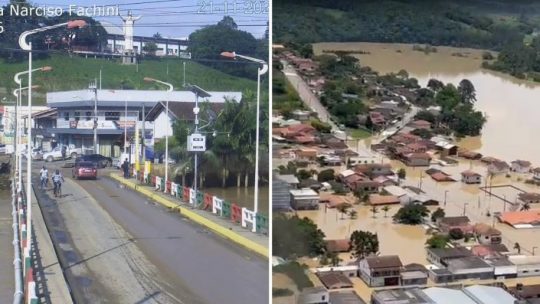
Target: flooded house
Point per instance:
(302, 199)
(421, 124)
(441, 256)
(290, 179)
(448, 223)
(536, 173)
(314, 295)
(381, 200)
(338, 246)
(281, 198)
(414, 275)
(401, 296)
(520, 166)
(486, 234)
(345, 297)
(529, 197)
(527, 266)
(380, 271)
(417, 159)
(374, 170)
(334, 280)
(498, 167)
(471, 177)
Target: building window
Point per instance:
(66, 116)
(77, 116)
(88, 115)
(112, 116)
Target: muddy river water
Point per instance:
(512, 107)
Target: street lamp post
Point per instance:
(261, 71)
(17, 93)
(170, 89)
(445, 193)
(27, 46)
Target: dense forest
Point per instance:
(498, 25)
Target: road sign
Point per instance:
(196, 143)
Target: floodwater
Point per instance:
(511, 105)
(243, 196)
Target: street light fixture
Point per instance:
(27, 46)
(170, 89)
(261, 71)
(196, 135)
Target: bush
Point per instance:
(296, 272)
(437, 241)
(321, 126)
(281, 292)
(326, 175)
(411, 214)
(456, 234)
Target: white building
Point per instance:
(165, 46)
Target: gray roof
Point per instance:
(448, 296)
(489, 295)
(288, 178)
(281, 198)
(345, 297)
(149, 98)
(465, 263)
(403, 296)
(450, 253)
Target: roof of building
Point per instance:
(529, 196)
(488, 250)
(333, 199)
(377, 199)
(450, 253)
(395, 190)
(345, 297)
(448, 296)
(403, 296)
(281, 198)
(334, 279)
(455, 220)
(531, 217)
(489, 294)
(342, 245)
(306, 192)
(470, 173)
(288, 178)
(418, 156)
(524, 259)
(385, 261)
(133, 98)
(485, 229)
(347, 173)
(466, 263)
(442, 177)
(522, 163)
(414, 267)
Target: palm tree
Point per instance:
(525, 207)
(517, 247)
(374, 210)
(385, 209)
(353, 213)
(343, 208)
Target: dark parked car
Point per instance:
(84, 169)
(98, 159)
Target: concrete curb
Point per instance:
(201, 220)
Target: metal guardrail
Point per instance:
(17, 261)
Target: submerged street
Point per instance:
(118, 247)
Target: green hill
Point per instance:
(75, 73)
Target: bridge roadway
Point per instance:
(115, 246)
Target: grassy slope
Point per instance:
(75, 73)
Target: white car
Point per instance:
(56, 153)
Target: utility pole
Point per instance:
(143, 134)
(184, 84)
(93, 87)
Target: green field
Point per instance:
(75, 73)
(359, 133)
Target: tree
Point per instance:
(412, 214)
(403, 74)
(343, 208)
(448, 97)
(296, 237)
(306, 51)
(303, 174)
(517, 247)
(467, 91)
(435, 84)
(437, 214)
(402, 173)
(157, 35)
(424, 133)
(456, 234)
(385, 209)
(364, 243)
(374, 210)
(426, 115)
(150, 48)
(326, 175)
(437, 241)
(353, 214)
(525, 207)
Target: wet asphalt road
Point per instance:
(194, 265)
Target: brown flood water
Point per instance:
(512, 105)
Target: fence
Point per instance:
(25, 286)
(244, 217)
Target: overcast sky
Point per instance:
(178, 18)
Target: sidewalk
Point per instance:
(51, 284)
(258, 243)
